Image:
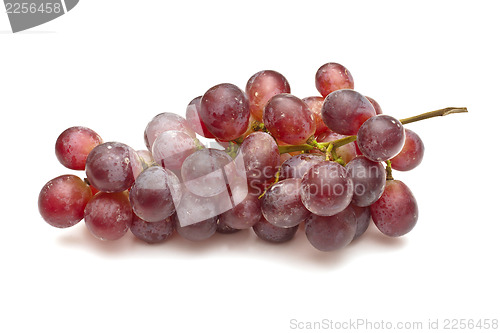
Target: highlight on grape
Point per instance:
(269, 161)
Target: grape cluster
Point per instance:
(274, 161)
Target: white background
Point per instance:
(112, 65)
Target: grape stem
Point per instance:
(431, 114)
(388, 170)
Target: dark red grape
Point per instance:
(108, 215)
(331, 77)
(74, 145)
(297, 166)
(289, 119)
(244, 215)
(368, 178)
(329, 233)
(62, 201)
(155, 193)
(225, 111)
(381, 138)
(376, 106)
(396, 212)
(261, 87)
(113, 167)
(346, 152)
(363, 218)
(282, 205)
(344, 111)
(271, 233)
(171, 148)
(412, 153)
(326, 189)
(194, 120)
(163, 122)
(198, 231)
(315, 104)
(150, 232)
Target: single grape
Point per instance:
(261, 158)
(329, 233)
(62, 201)
(381, 138)
(346, 152)
(271, 233)
(163, 122)
(331, 77)
(363, 218)
(198, 231)
(315, 104)
(155, 193)
(282, 206)
(74, 145)
(223, 228)
(108, 215)
(207, 172)
(376, 106)
(151, 233)
(113, 167)
(297, 166)
(412, 153)
(368, 179)
(344, 111)
(326, 189)
(396, 212)
(225, 111)
(171, 148)
(289, 119)
(261, 87)
(244, 215)
(194, 120)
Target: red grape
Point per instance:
(62, 201)
(396, 212)
(198, 231)
(244, 215)
(171, 148)
(113, 167)
(412, 153)
(152, 232)
(225, 111)
(194, 120)
(315, 103)
(261, 87)
(163, 122)
(363, 218)
(376, 106)
(381, 138)
(108, 215)
(298, 165)
(331, 77)
(344, 111)
(368, 179)
(74, 145)
(271, 233)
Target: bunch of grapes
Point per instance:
(270, 161)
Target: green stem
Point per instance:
(292, 148)
(437, 113)
(388, 170)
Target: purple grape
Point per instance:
(331, 77)
(363, 217)
(150, 232)
(74, 145)
(412, 153)
(297, 166)
(289, 119)
(225, 111)
(113, 167)
(198, 231)
(171, 148)
(326, 189)
(344, 111)
(261, 87)
(155, 193)
(282, 205)
(165, 122)
(244, 215)
(381, 138)
(396, 212)
(271, 233)
(329, 233)
(368, 179)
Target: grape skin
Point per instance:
(376, 106)
(315, 104)
(289, 119)
(113, 167)
(368, 179)
(194, 121)
(163, 122)
(344, 111)
(74, 145)
(396, 212)
(412, 153)
(107, 215)
(244, 215)
(62, 201)
(225, 111)
(171, 148)
(261, 87)
(273, 234)
(198, 231)
(329, 233)
(363, 218)
(152, 232)
(298, 165)
(332, 76)
(381, 138)
(326, 189)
